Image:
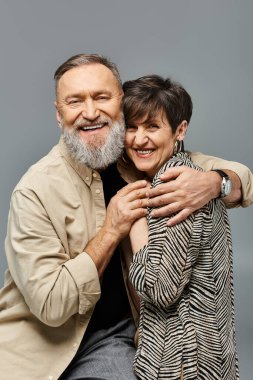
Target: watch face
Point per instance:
(226, 188)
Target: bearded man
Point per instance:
(67, 308)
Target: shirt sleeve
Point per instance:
(243, 172)
(161, 269)
(54, 286)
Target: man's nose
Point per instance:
(90, 110)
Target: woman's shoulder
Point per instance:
(180, 159)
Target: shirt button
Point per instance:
(94, 175)
(97, 191)
(50, 377)
(75, 345)
(87, 178)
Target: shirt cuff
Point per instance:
(84, 272)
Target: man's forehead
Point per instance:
(89, 77)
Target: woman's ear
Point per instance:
(181, 130)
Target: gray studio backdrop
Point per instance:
(207, 45)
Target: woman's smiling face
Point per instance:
(150, 143)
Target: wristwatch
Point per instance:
(226, 184)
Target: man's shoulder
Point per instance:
(46, 169)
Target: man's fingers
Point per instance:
(138, 213)
(132, 187)
(166, 199)
(169, 186)
(164, 188)
(173, 173)
(182, 215)
(139, 203)
(136, 194)
(134, 191)
(166, 210)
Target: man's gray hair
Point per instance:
(85, 59)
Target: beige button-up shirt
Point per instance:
(52, 285)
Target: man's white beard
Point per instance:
(97, 155)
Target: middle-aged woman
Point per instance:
(183, 274)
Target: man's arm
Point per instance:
(191, 190)
(54, 284)
(243, 172)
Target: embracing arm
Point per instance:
(190, 190)
(55, 284)
(241, 176)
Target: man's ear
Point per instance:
(181, 130)
(58, 115)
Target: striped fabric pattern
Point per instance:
(184, 278)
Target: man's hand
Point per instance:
(128, 205)
(189, 191)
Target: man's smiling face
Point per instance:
(89, 103)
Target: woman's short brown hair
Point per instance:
(146, 96)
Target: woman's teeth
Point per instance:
(148, 151)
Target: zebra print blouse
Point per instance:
(184, 278)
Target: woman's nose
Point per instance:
(140, 137)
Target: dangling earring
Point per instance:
(178, 147)
(175, 147)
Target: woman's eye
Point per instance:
(154, 126)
